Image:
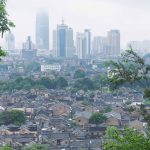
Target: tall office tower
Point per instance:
(10, 41)
(81, 45)
(99, 46)
(55, 51)
(114, 43)
(63, 43)
(87, 33)
(42, 30)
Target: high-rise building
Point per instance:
(42, 30)
(87, 33)
(113, 37)
(28, 45)
(81, 45)
(99, 46)
(28, 51)
(63, 43)
(10, 41)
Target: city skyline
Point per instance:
(99, 16)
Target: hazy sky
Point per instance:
(131, 17)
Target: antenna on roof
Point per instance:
(62, 21)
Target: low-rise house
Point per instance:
(95, 131)
(61, 109)
(78, 134)
(113, 119)
(55, 139)
(135, 115)
(125, 120)
(136, 124)
(59, 123)
(82, 118)
(22, 136)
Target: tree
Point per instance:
(79, 74)
(101, 80)
(6, 148)
(61, 82)
(48, 83)
(108, 109)
(36, 147)
(130, 69)
(5, 23)
(126, 139)
(97, 118)
(84, 84)
(16, 117)
(147, 93)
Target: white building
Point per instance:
(99, 46)
(113, 37)
(80, 45)
(87, 33)
(50, 67)
(10, 41)
(83, 44)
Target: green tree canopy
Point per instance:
(147, 93)
(12, 117)
(127, 139)
(97, 118)
(6, 148)
(36, 147)
(84, 84)
(79, 74)
(5, 23)
(131, 68)
(61, 82)
(48, 83)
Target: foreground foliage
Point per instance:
(36, 147)
(6, 148)
(127, 139)
(5, 23)
(130, 69)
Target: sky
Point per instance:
(131, 17)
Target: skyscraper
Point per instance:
(81, 45)
(114, 43)
(99, 46)
(87, 33)
(42, 30)
(63, 43)
(10, 41)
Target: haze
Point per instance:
(131, 17)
